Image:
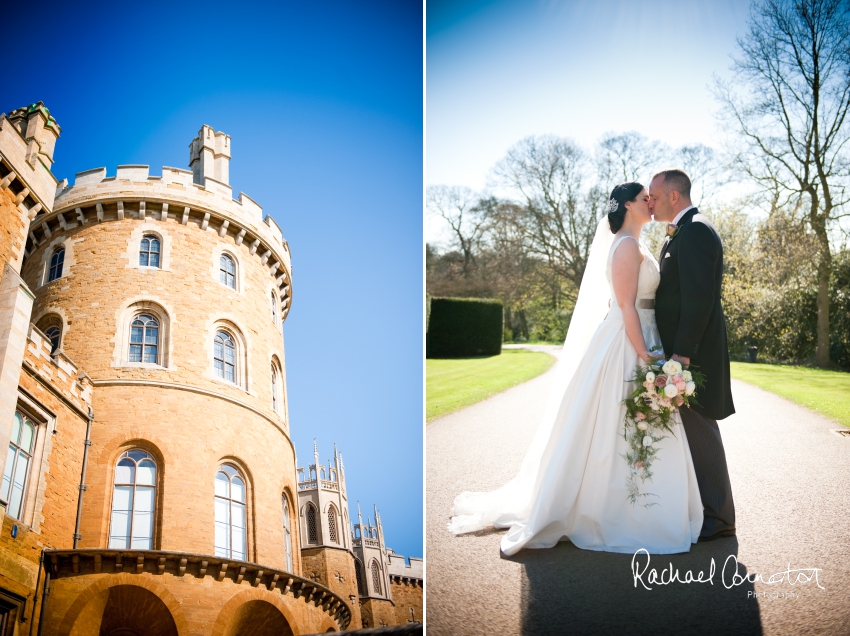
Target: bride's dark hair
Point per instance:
(622, 193)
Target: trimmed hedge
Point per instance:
(464, 327)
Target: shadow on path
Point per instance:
(570, 591)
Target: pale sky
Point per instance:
(499, 71)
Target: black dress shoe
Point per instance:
(726, 532)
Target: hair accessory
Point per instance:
(613, 204)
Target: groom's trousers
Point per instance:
(712, 474)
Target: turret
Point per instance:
(209, 156)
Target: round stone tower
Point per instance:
(171, 295)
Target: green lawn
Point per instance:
(827, 392)
(454, 384)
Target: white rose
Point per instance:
(690, 387)
(671, 367)
(642, 426)
(654, 406)
(650, 377)
(647, 441)
(686, 376)
(671, 391)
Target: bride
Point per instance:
(573, 480)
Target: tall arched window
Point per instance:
(56, 262)
(376, 577)
(287, 534)
(224, 356)
(227, 271)
(230, 517)
(144, 339)
(332, 525)
(275, 403)
(361, 583)
(133, 499)
(18, 464)
(312, 531)
(149, 251)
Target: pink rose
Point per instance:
(677, 378)
(639, 464)
(640, 416)
(661, 381)
(680, 385)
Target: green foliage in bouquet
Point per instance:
(662, 387)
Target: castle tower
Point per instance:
(171, 295)
(326, 541)
(372, 563)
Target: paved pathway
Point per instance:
(791, 481)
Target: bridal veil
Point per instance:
(512, 502)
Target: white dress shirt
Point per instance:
(681, 214)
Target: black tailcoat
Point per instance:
(688, 309)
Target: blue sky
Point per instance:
(499, 71)
(323, 101)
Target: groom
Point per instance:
(693, 330)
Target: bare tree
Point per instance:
(704, 167)
(791, 113)
(559, 214)
(457, 205)
(627, 156)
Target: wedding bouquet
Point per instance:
(662, 387)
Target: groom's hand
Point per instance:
(685, 361)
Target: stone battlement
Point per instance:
(399, 568)
(134, 182)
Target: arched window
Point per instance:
(312, 533)
(376, 577)
(149, 251)
(361, 583)
(227, 271)
(224, 356)
(18, 459)
(332, 525)
(275, 404)
(274, 307)
(56, 262)
(287, 535)
(230, 518)
(144, 339)
(54, 334)
(133, 499)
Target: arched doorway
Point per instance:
(258, 618)
(125, 610)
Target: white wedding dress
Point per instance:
(573, 480)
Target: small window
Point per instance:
(376, 577)
(312, 533)
(17, 468)
(224, 356)
(133, 499)
(144, 339)
(274, 308)
(287, 535)
(332, 525)
(149, 251)
(227, 271)
(230, 516)
(56, 262)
